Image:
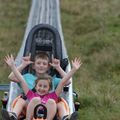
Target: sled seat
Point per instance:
(45, 38)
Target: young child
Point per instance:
(40, 66)
(42, 87)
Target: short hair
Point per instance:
(42, 55)
(44, 76)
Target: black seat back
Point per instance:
(43, 37)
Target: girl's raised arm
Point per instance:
(25, 62)
(76, 63)
(10, 62)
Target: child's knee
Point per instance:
(59, 104)
(36, 100)
(51, 102)
(21, 100)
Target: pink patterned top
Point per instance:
(44, 98)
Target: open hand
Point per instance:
(26, 60)
(76, 63)
(55, 63)
(9, 59)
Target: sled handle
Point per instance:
(40, 111)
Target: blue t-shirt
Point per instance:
(30, 80)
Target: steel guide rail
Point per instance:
(47, 12)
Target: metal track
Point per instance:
(47, 12)
(4, 87)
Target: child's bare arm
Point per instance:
(76, 63)
(25, 62)
(56, 64)
(10, 61)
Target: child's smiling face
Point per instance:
(42, 87)
(41, 66)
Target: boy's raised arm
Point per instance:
(10, 62)
(76, 63)
(56, 64)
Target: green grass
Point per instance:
(91, 30)
(13, 18)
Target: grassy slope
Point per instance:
(13, 17)
(91, 30)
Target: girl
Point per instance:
(43, 87)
